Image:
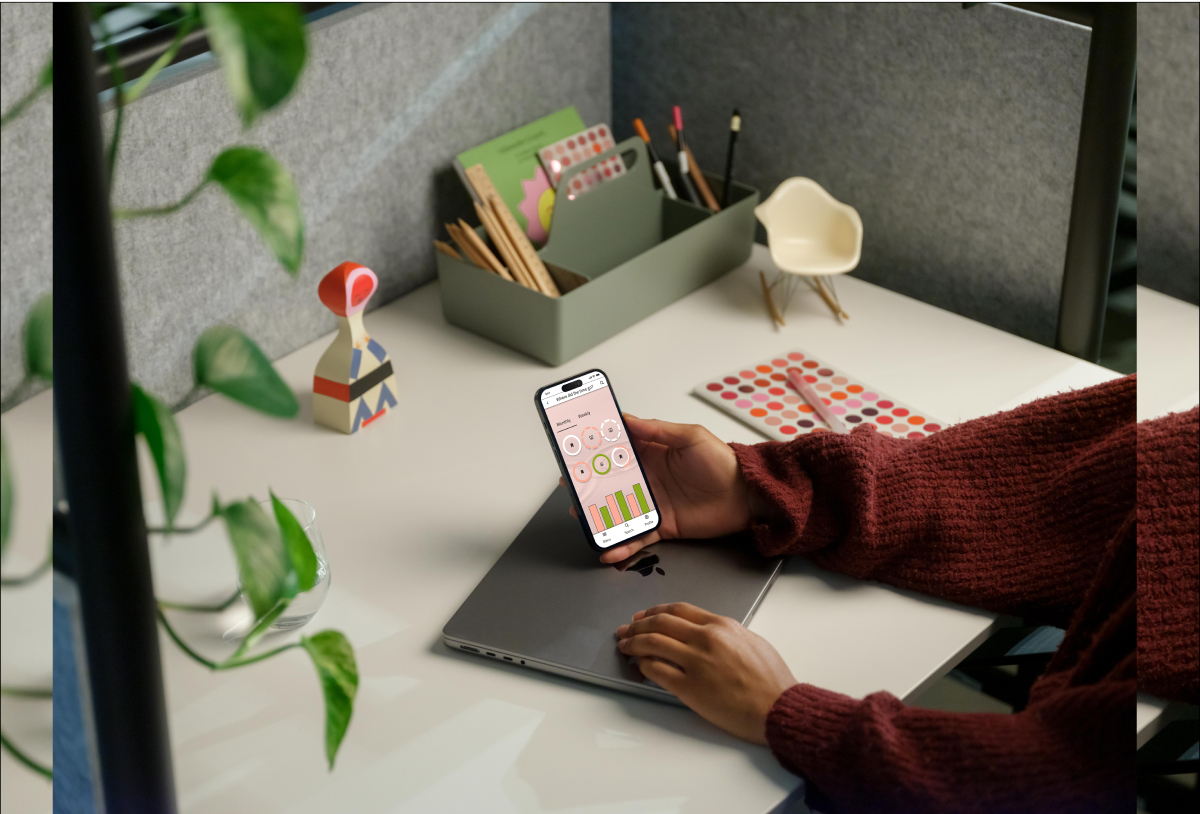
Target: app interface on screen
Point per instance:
(598, 452)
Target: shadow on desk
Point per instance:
(566, 763)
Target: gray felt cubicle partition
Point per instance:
(1168, 149)
(25, 172)
(952, 131)
(390, 94)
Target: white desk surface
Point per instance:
(1168, 352)
(1168, 348)
(27, 650)
(408, 538)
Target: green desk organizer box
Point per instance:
(619, 253)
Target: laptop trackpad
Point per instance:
(550, 598)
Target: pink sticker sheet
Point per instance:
(759, 395)
(560, 156)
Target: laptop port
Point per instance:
(472, 649)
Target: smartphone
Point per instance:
(596, 457)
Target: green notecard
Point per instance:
(512, 163)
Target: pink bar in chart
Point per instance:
(634, 508)
(612, 507)
(597, 521)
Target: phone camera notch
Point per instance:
(572, 385)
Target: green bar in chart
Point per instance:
(637, 490)
(628, 515)
(608, 523)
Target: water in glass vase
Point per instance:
(306, 604)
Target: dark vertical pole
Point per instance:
(94, 415)
(1104, 128)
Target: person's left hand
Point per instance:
(727, 674)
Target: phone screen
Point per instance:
(585, 425)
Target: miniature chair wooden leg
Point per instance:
(774, 312)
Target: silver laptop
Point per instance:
(550, 604)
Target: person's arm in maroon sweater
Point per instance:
(1019, 513)
(1168, 556)
(1010, 513)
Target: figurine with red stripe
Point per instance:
(353, 384)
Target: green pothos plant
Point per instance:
(261, 48)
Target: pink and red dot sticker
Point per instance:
(760, 396)
(558, 157)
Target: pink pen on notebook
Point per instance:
(805, 389)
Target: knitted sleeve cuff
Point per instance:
(804, 723)
(783, 492)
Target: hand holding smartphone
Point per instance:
(596, 455)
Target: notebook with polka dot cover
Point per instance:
(760, 396)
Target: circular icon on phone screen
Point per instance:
(591, 437)
(610, 429)
(581, 471)
(620, 456)
(571, 445)
(601, 464)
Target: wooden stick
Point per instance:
(482, 250)
(775, 315)
(478, 177)
(837, 312)
(696, 173)
(506, 238)
(502, 248)
(504, 243)
(446, 249)
(465, 247)
(500, 241)
(701, 182)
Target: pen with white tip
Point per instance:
(659, 169)
(684, 170)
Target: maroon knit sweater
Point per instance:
(1034, 513)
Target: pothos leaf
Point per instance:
(264, 567)
(226, 360)
(38, 340)
(266, 195)
(299, 547)
(333, 657)
(156, 423)
(261, 48)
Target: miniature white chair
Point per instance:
(810, 233)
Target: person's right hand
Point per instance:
(695, 479)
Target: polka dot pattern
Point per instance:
(760, 396)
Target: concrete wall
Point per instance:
(1169, 148)
(953, 132)
(25, 173)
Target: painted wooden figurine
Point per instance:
(353, 384)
